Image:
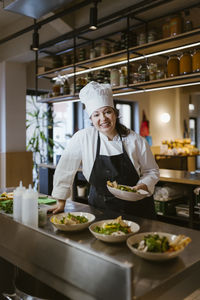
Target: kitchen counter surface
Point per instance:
(82, 267)
(180, 176)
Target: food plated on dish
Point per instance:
(72, 221)
(6, 196)
(157, 245)
(114, 230)
(125, 192)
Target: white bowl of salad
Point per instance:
(157, 246)
(114, 230)
(72, 221)
(126, 192)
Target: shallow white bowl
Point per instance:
(129, 196)
(150, 255)
(74, 227)
(113, 238)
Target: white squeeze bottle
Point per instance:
(17, 202)
(30, 207)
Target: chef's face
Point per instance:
(104, 120)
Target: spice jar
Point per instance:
(142, 38)
(152, 71)
(143, 72)
(175, 25)
(104, 48)
(173, 66)
(196, 60)
(114, 77)
(185, 65)
(92, 53)
(151, 35)
(57, 88)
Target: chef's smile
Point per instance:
(104, 119)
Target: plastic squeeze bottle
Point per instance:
(30, 207)
(17, 202)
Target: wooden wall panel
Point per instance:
(18, 166)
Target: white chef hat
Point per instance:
(96, 95)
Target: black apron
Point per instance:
(120, 168)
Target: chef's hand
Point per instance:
(141, 186)
(59, 207)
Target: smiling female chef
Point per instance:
(107, 151)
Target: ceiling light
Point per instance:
(35, 43)
(93, 17)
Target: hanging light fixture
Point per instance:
(93, 16)
(35, 42)
(191, 105)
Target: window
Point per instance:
(193, 130)
(126, 113)
(63, 129)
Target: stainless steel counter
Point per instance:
(81, 267)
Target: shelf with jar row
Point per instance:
(149, 63)
(138, 87)
(165, 46)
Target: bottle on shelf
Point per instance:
(30, 207)
(173, 66)
(196, 60)
(114, 77)
(175, 25)
(17, 202)
(185, 65)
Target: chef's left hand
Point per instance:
(141, 186)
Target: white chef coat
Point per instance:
(81, 150)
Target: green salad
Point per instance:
(125, 188)
(7, 206)
(153, 243)
(110, 228)
(76, 219)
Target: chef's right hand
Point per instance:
(59, 207)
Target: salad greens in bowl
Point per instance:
(72, 221)
(125, 192)
(157, 246)
(113, 230)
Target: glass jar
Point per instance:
(152, 71)
(142, 38)
(92, 53)
(185, 64)
(143, 72)
(175, 25)
(56, 88)
(114, 77)
(160, 73)
(166, 30)
(97, 50)
(196, 60)
(151, 35)
(173, 66)
(104, 49)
